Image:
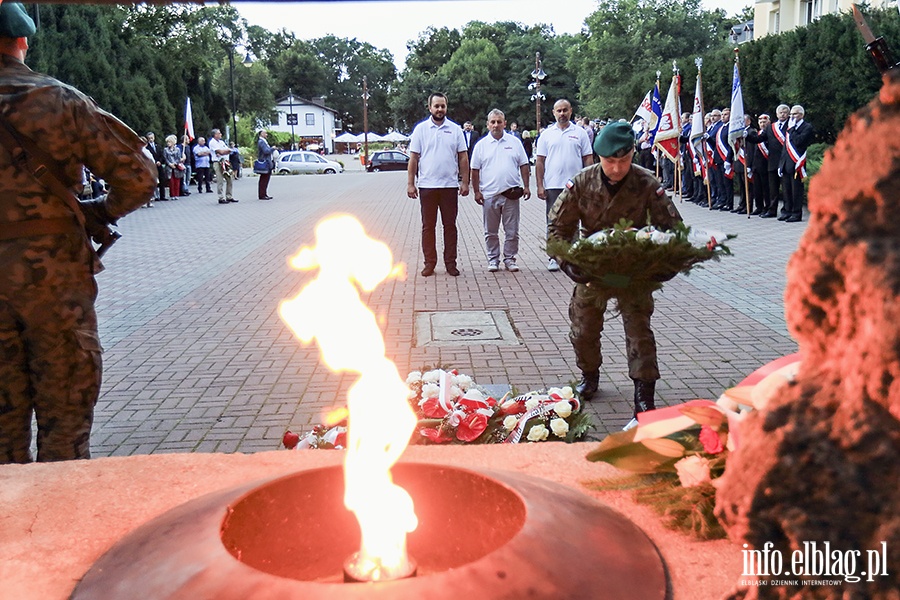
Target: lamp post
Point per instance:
(291, 117)
(538, 75)
(247, 62)
(365, 96)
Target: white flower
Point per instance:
(509, 423)
(565, 393)
(598, 238)
(538, 433)
(432, 376)
(531, 403)
(661, 237)
(692, 470)
(644, 233)
(562, 408)
(413, 377)
(455, 393)
(430, 390)
(463, 381)
(559, 427)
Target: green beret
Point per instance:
(614, 137)
(14, 21)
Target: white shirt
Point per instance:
(498, 163)
(214, 145)
(438, 148)
(563, 150)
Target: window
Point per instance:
(311, 158)
(310, 119)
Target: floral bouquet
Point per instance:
(624, 260)
(452, 409)
(321, 437)
(676, 454)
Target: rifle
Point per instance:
(90, 214)
(876, 47)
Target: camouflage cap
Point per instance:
(614, 137)
(14, 21)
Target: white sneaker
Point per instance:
(552, 265)
(493, 266)
(511, 266)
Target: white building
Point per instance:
(313, 122)
(777, 16)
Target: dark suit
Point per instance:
(799, 137)
(759, 166)
(472, 138)
(775, 148)
(156, 149)
(726, 184)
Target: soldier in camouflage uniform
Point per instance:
(598, 197)
(49, 347)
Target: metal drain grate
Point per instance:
(467, 332)
(465, 328)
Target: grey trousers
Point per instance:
(498, 209)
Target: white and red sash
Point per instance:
(721, 148)
(798, 159)
(764, 149)
(779, 135)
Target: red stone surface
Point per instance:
(58, 518)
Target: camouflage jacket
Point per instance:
(73, 130)
(588, 201)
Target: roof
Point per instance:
(299, 101)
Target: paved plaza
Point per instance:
(197, 359)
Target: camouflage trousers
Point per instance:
(586, 313)
(50, 363)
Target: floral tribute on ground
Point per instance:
(623, 259)
(675, 455)
(453, 409)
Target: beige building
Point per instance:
(777, 16)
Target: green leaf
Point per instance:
(705, 415)
(664, 447)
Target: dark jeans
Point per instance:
(203, 178)
(446, 201)
(264, 184)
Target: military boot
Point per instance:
(588, 386)
(643, 395)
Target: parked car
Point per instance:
(387, 160)
(291, 163)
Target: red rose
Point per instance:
(290, 440)
(712, 444)
(471, 427)
(435, 435)
(432, 409)
(711, 244)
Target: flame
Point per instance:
(381, 421)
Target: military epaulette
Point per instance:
(570, 184)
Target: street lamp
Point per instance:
(365, 96)
(247, 62)
(538, 75)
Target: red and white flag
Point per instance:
(188, 120)
(670, 124)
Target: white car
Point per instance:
(291, 163)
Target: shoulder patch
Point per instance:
(570, 184)
(661, 191)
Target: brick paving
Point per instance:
(197, 360)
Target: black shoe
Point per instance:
(185, 193)
(793, 219)
(453, 271)
(644, 390)
(209, 191)
(266, 198)
(233, 200)
(428, 271)
(588, 386)
(783, 217)
(739, 209)
(726, 207)
(767, 215)
(757, 212)
(223, 201)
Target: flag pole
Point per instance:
(678, 187)
(741, 143)
(653, 148)
(704, 164)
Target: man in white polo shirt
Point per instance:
(437, 155)
(563, 149)
(500, 174)
(220, 155)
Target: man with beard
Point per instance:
(438, 172)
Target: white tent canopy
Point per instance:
(395, 136)
(346, 138)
